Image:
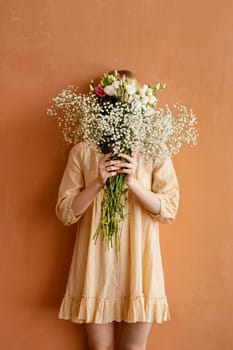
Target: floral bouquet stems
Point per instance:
(112, 209)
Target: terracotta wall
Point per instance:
(46, 45)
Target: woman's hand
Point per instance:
(129, 167)
(108, 168)
(146, 197)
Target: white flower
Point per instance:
(149, 92)
(149, 111)
(145, 100)
(130, 89)
(142, 93)
(143, 90)
(136, 97)
(110, 90)
(116, 84)
(152, 99)
(138, 104)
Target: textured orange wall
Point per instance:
(46, 45)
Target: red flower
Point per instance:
(99, 91)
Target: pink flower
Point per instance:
(99, 91)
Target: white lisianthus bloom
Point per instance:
(149, 111)
(130, 89)
(149, 92)
(138, 104)
(145, 100)
(142, 93)
(136, 97)
(110, 90)
(143, 90)
(152, 99)
(116, 84)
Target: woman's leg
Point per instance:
(100, 336)
(134, 335)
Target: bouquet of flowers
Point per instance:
(118, 116)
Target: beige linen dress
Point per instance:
(101, 288)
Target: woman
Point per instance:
(102, 289)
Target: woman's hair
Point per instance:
(129, 74)
(125, 72)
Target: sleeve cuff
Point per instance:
(65, 213)
(164, 216)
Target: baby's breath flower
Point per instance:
(123, 120)
(119, 126)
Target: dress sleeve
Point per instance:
(71, 184)
(165, 185)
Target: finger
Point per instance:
(132, 165)
(112, 162)
(112, 168)
(112, 173)
(104, 162)
(106, 157)
(126, 157)
(127, 165)
(125, 171)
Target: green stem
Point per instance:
(112, 211)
